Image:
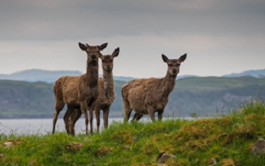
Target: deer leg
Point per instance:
(92, 107)
(151, 112)
(106, 117)
(127, 115)
(58, 108)
(160, 114)
(139, 117)
(83, 106)
(91, 121)
(97, 112)
(70, 121)
(77, 115)
(136, 117)
(66, 119)
(127, 110)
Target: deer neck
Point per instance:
(92, 74)
(168, 82)
(108, 81)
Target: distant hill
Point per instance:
(121, 78)
(201, 95)
(34, 75)
(252, 73)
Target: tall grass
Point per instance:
(228, 139)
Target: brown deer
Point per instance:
(147, 96)
(105, 98)
(79, 91)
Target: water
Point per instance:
(43, 126)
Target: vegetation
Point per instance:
(20, 99)
(228, 139)
(203, 96)
(207, 96)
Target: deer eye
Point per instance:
(177, 65)
(170, 65)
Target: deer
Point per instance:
(105, 98)
(148, 96)
(79, 92)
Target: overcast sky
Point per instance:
(219, 36)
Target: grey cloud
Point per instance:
(64, 20)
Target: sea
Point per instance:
(44, 126)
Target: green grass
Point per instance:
(228, 139)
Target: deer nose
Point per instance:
(108, 67)
(174, 70)
(93, 56)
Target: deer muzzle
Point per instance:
(93, 56)
(174, 71)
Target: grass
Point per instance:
(228, 139)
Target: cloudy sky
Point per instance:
(219, 36)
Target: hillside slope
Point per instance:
(211, 95)
(202, 96)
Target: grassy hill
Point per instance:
(20, 99)
(207, 95)
(229, 140)
(196, 95)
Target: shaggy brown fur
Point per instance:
(106, 94)
(79, 91)
(147, 96)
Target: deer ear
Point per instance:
(116, 52)
(102, 46)
(83, 47)
(183, 57)
(164, 57)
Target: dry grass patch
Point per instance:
(227, 162)
(102, 151)
(74, 146)
(123, 137)
(12, 142)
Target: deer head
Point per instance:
(173, 64)
(93, 52)
(107, 60)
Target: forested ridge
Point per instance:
(200, 96)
